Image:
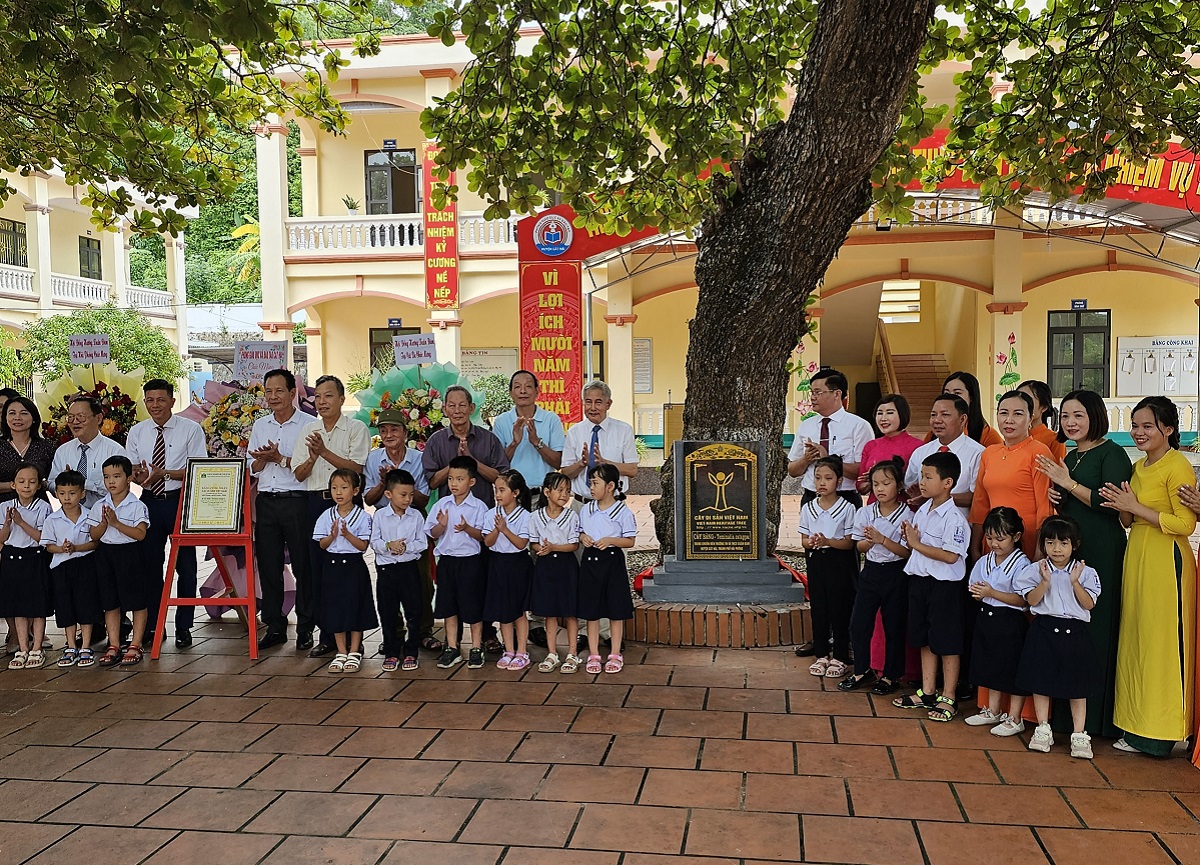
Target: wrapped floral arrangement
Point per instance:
(417, 393)
(119, 395)
(227, 425)
(228, 411)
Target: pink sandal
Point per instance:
(615, 664)
(505, 660)
(519, 662)
(593, 665)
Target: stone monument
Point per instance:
(721, 548)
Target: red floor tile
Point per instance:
(1135, 810)
(684, 788)
(494, 780)
(1012, 805)
(892, 842)
(527, 824)
(637, 828)
(954, 844)
(797, 794)
(744, 834)
(415, 818)
(616, 785)
(907, 800)
(1087, 847)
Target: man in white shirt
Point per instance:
(159, 449)
(948, 423)
(832, 430)
(331, 442)
(281, 510)
(87, 451)
(598, 439)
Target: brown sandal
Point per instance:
(133, 655)
(111, 657)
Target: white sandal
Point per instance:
(18, 660)
(353, 662)
(818, 667)
(36, 659)
(836, 669)
(338, 663)
(571, 664)
(550, 664)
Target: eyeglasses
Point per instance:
(821, 392)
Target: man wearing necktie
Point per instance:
(87, 450)
(159, 449)
(832, 430)
(597, 439)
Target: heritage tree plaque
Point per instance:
(721, 501)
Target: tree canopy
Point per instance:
(620, 107)
(149, 90)
(134, 340)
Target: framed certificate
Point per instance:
(214, 491)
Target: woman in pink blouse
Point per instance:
(892, 415)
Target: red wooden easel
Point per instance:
(241, 539)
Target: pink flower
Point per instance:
(1012, 338)
(1001, 359)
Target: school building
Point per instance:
(1100, 295)
(53, 259)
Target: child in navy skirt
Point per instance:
(66, 536)
(1000, 625)
(24, 578)
(119, 522)
(606, 529)
(509, 568)
(1059, 658)
(345, 606)
(554, 538)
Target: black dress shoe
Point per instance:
(805, 650)
(183, 638)
(304, 642)
(271, 638)
(320, 649)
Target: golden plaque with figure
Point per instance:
(720, 501)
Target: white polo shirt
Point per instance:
(1001, 576)
(615, 440)
(888, 526)
(36, 515)
(59, 528)
(945, 528)
(848, 435)
(518, 524)
(835, 523)
(184, 439)
(130, 511)
(359, 523)
(564, 530)
(968, 452)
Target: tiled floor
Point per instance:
(688, 757)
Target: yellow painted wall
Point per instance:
(13, 208)
(66, 227)
(955, 317)
(665, 320)
(1141, 304)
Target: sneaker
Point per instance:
(1043, 738)
(449, 658)
(1081, 746)
(475, 659)
(1008, 727)
(984, 717)
(1122, 745)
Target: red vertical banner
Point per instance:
(441, 240)
(552, 334)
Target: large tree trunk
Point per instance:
(797, 195)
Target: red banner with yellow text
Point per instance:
(552, 334)
(441, 240)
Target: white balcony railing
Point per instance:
(648, 420)
(151, 301)
(391, 232)
(1120, 412)
(16, 280)
(79, 290)
(474, 230)
(363, 233)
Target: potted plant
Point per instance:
(351, 205)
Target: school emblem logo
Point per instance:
(552, 234)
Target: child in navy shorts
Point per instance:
(939, 537)
(456, 523)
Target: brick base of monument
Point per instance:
(720, 625)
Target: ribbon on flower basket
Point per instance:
(419, 393)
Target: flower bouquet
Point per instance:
(118, 392)
(228, 411)
(419, 394)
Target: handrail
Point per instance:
(885, 356)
